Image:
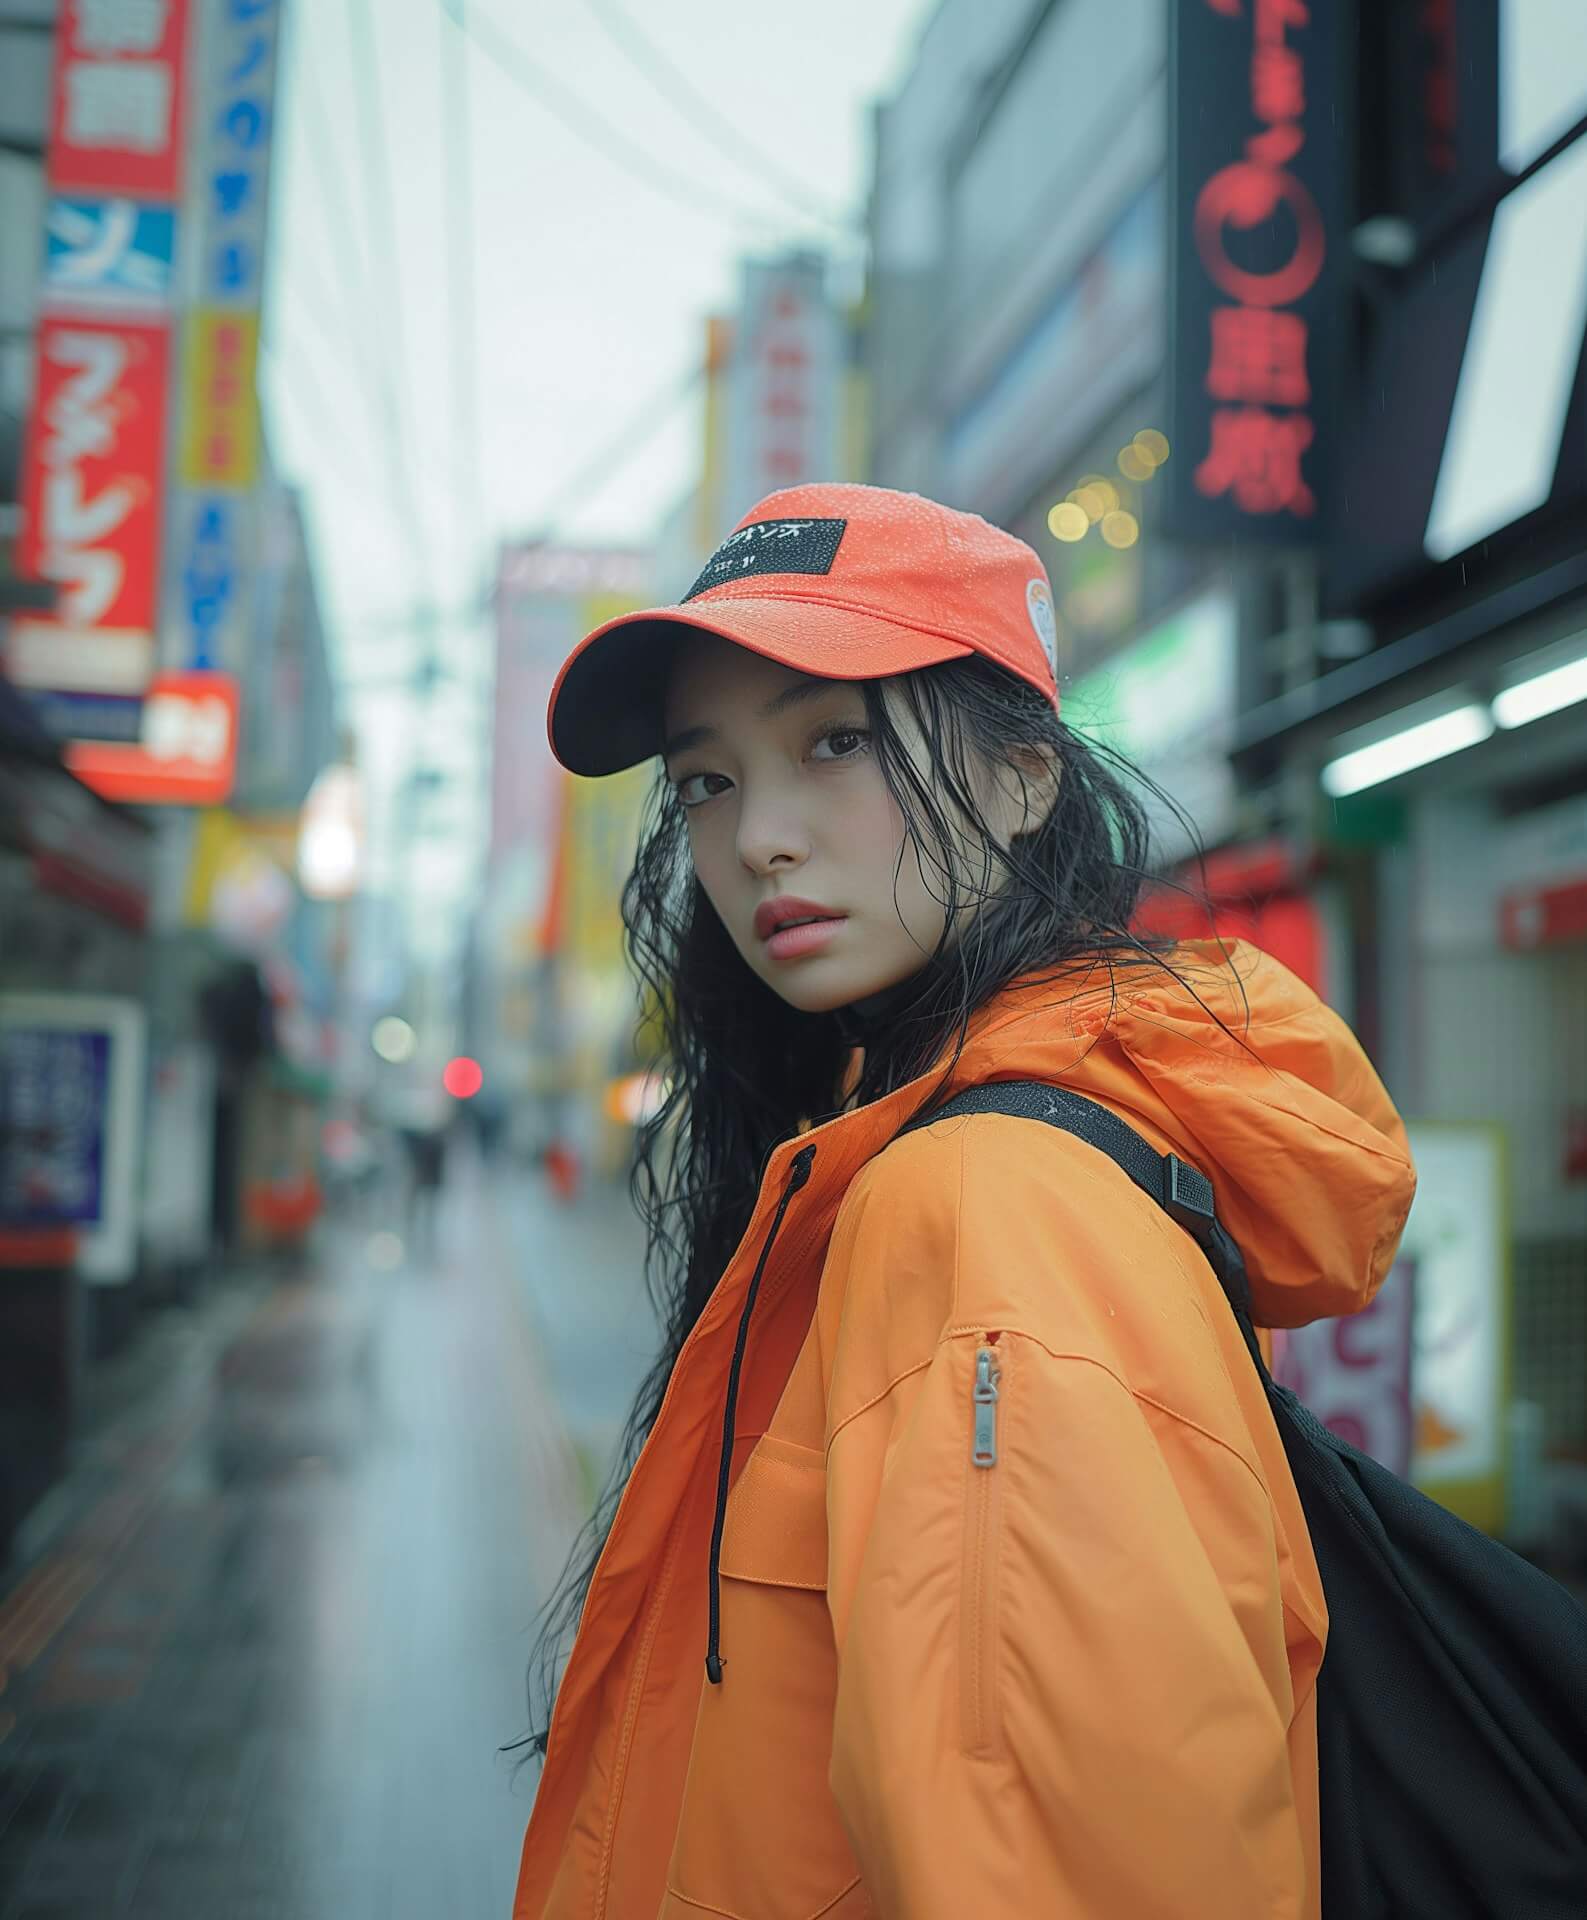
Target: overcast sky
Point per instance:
(591, 283)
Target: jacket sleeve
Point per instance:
(1046, 1700)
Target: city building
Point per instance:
(784, 401)
(1268, 336)
(166, 991)
(1446, 753)
(1016, 357)
(551, 1007)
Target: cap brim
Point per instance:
(605, 711)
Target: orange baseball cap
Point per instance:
(842, 582)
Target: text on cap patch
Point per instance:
(771, 546)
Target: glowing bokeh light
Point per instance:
(463, 1077)
(1120, 529)
(1096, 493)
(394, 1040)
(1069, 521)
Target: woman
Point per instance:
(961, 1571)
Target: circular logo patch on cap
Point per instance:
(1043, 617)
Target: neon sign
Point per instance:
(1255, 82)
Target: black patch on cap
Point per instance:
(771, 546)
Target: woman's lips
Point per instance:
(794, 942)
(772, 914)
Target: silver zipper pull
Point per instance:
(984, 1452)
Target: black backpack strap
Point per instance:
(1183, 1192)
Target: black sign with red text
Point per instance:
(1260, 151)
(1430, 108)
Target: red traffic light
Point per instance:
(463, 1077)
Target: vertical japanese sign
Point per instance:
(711, 525)
(220, 428)
(783, 388)
(91, 491)
(1259, 148)
(228, 208)
(116, 112)
(231, 157)
(1439, 142)
(93, 479)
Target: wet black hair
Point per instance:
(744, 1070)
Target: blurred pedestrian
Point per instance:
(487, 1113)
(422, 1118)
(963, 1572)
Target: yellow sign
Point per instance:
(709, 529)
(600, 838)
(226, 844)
(220, 402)
(603, 836)
(1458, 1242)
(218, 843)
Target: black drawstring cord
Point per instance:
(798, 1174)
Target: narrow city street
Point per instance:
(558, 567)
(266, 1658)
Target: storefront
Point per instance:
(75, 878)
(1448, 770)
(1428, 732)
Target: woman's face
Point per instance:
(790, 818)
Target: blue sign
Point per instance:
(209, 575)
(89, 716)
(233, 157)
(109, 252)
(54, 1117)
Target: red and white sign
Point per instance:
(92, 494)
(116, 114)
(1542, 860)
(1355, 1373)
(1544, 916)
(783, 390)
(187, 755)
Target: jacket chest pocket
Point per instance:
(759, 1836)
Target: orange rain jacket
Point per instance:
(1078, 1682)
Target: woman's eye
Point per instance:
(844, 742)
(696, 787)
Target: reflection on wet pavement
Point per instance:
(268, 1669)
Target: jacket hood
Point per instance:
(1279, 1106)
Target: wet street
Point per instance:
(268, 1640)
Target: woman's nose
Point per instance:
(771, 837)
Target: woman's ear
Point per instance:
(1036, 774)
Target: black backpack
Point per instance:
(1452, 1701)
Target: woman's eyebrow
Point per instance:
(796, 695)
(687, 737)
(793, 696)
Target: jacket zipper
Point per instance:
(979, 1716)
(983, 1450)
